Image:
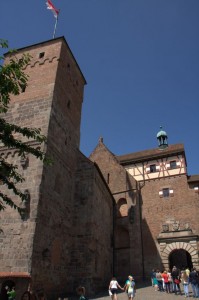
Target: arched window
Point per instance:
(122, 208)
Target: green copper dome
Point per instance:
(161, 132)
(162, 139)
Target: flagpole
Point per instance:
(55, 27)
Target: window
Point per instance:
(173, 164)
(165, 192)
(152, 168)
(41, 55)
(108, 178)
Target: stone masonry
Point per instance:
(59, 243)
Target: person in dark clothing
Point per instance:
(175, 274)
(153, 275)
(193, 279)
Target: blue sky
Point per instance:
(141, 62)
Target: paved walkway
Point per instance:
(147, 293)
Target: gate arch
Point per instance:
(177, 246)
(181, 259)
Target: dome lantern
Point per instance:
(162, 138)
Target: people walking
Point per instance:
(193, 278)
(159, 279)
(175, 273)
(126, 283)
(155, 284)
(153, 275)
(185, 282)
(81, 291)
(170, 281)
(131, 288)
(113, 287)
(165, 277)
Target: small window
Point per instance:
(108, 178)
(173, 164)
(152, 168)
(41, 55)
(165, 192)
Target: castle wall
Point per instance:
(54, 231)
(91, 261)
(51, 101)
(124, 188)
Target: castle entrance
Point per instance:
(181, 259)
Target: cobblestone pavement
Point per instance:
(147, 293)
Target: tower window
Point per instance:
(173, 164)
(108, 178)
(165, 192)
(41, 55)
(152, 168)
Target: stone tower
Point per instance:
(51, 101)
(44, 249)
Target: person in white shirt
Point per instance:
(113, 287)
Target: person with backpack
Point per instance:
(131, 288)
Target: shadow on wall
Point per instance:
(151, 257)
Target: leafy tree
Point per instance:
(12, 81)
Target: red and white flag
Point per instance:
(53, 8)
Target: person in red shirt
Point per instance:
(165, 277)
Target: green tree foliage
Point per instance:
(12, 81)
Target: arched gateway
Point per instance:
(181, 259)
(180, 254)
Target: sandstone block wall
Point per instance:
(128, 248)
(92, 255)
